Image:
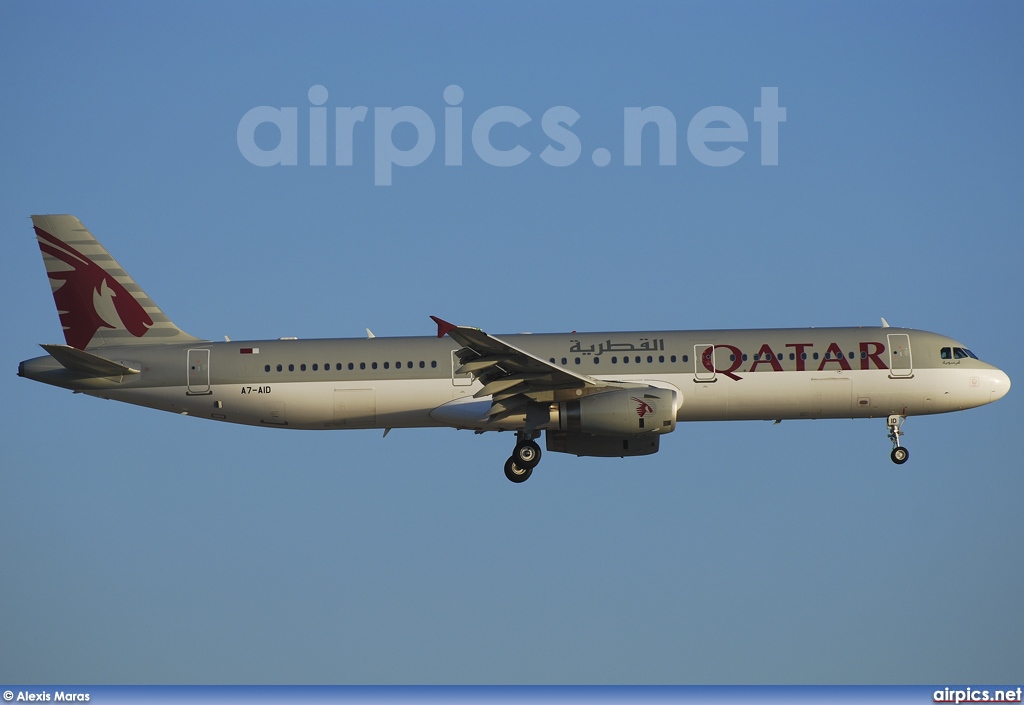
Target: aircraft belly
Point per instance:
(301, 405)
(936, 391)
(850, 394)
(783, 395)
(399, 403)
(160, 398)
(832, 394)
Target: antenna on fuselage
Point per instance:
(885, 323)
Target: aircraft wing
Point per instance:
(512, 377)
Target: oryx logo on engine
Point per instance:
(642, 407)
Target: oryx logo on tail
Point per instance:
(97, 301)
(88, 298)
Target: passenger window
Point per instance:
(398, 365)
(315, 367)
(279, 368)
(650, 358)
(373, 365)
(564, 361)
(362, 365)
(266, 368)
(351, 365)
(433, 363)
(387, 365)
(577, 361)
(661, 358)
(303, 367)
(615, 360)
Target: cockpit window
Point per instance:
(956, 354)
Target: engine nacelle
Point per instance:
(592, 445)
(621, 412)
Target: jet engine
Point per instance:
(617, 423)
(636, 411)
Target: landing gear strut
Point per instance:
(525, 457)
(899, 454)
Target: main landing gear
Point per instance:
(525, 457)
(899, 454)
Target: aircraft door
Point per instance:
(198, 368)
(704, 362)
(901, 363)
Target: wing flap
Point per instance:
(511, 403)
(516, 380)
(480, 364)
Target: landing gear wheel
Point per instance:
(515, 472)
(899, 454)
(526, 455)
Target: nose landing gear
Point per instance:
(899, 454)
(525, 457)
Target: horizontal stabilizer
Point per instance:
(81, 361)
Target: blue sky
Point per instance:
(140, 547)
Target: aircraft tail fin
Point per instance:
(98, 301)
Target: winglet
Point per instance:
(443, 327)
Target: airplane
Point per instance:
(611, 394)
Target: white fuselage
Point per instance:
(411, 382)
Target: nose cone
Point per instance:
(1000, 382)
